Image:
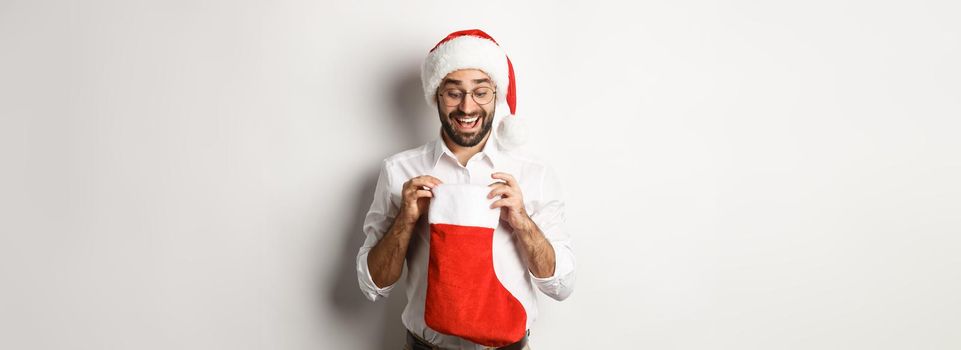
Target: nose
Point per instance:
(468, 105)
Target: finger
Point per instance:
(423, 194)
(413, 186)
(426, 180)
(419, 181)
(502, 190)
(503, 202)
(508, 178)
(495, 182)
(434, 180)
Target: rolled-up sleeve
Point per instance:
(549, 216)
(376, 223)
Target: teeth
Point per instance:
(467, 121)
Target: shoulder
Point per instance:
(413, 156)
(536, 176)
(528, 164)
(409, 163)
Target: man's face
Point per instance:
(467, 122)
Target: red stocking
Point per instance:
(464, 296)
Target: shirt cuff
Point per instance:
(560, 285)
(367, 285)
(543, 280)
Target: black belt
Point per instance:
(417, 344)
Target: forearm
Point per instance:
(539, 251)
(386, 259)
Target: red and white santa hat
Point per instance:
(474, 49)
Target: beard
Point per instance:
(466, 139)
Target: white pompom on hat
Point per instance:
(474, 49)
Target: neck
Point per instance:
(464, 153)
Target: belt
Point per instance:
(416, 343)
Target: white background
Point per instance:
(742, 174)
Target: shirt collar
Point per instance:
(490, 150)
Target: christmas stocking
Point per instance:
(464, 296)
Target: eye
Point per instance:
(480, 93)
(454, 94)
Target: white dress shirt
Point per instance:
(543, 199)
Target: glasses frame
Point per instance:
(440, 94)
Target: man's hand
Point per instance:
(539, 252)
(386, 259)
(511, 202)
(416, 197)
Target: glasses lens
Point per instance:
(452, 97)
(483, 95)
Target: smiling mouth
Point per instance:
(467, 123)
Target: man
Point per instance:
(469, 79)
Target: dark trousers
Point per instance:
(415, 342)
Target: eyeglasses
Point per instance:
(453, 97)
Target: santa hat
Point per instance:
(474, 49)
